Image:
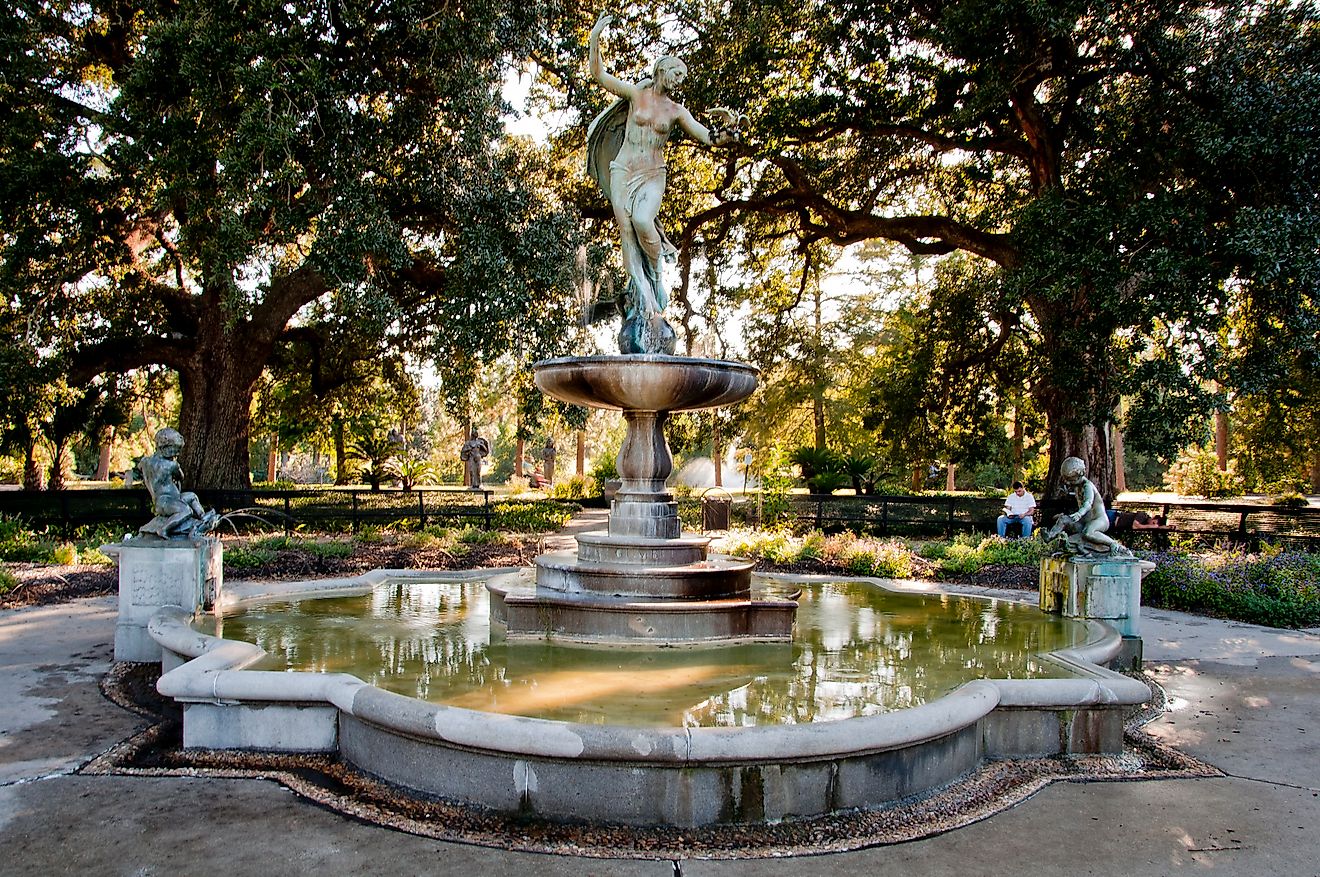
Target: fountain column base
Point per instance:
(642, 581)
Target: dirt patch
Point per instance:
(41, 584)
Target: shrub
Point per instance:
(577, 487)
(532, 517)
(476, 536)
(1275, 588)
(7, 581)
(1196, 473)
(21, 545)
(65, 554)
(248, 556)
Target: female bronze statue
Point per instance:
(625, 155)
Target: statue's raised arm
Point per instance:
(625, 155)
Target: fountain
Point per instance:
(642, 581)
(639, 583)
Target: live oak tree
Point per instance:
(1126, 170)
(183, 183)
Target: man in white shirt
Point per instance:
(1020, 506)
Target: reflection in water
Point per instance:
(857, 650)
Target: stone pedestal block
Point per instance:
(155, 573)
(1104, 588)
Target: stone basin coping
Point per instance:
(213, 672)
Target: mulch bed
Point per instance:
(42, 584)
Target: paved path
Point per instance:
(1245, 699)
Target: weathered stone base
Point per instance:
(641, 793)
(155, 573)
(269, 727)
(1105, 588)
(524, 613)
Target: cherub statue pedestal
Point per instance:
(157, 572)
(1101, 587)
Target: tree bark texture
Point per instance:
(1090, 443)
(217, 385)
(341, 453)
(1221, 440)
(106, 442)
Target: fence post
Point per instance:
(884, 517)
(949, 526)
(486, 494)
(421, 510)
(355, 512)
(819, 504)
(288, 515)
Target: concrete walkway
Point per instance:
(1245, 699)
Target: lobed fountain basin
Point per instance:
(646, 382)
(713, 760)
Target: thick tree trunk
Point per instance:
(216, 414)
(918, 479)
(1090, 443)
(581, 452)
(518, 458)
(106, 446)
(1221, 440)
(1120, 471)
(273, 458)
(716, 454)
(341, 451)
(57, 466)
(32, 479)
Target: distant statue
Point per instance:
(179, 514)
(474, 451)
(1084, 528)
(625, 155)
(548, 454)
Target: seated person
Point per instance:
(1020, 506)
(537, 479)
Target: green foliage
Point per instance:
(1275, 588)
(532, 517)
(65, 554)
(20, 544)
(248, 556)
(200, 179)
(1196, 473)
(7, 581)
(576, 487)
(776, 485)
(471, 535)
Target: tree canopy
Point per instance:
(183, 182)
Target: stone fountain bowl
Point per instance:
(646, 382)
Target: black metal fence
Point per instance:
(350, 509)
(330, 509)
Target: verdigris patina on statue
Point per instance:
(1084, 530)
(179, 514)
(625, 155)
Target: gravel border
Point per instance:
(326, 781)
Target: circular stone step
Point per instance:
(601, 547)
(714, 578)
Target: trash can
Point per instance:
(715, 510)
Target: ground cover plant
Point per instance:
(1274, 587)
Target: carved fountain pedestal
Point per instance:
(642, 580)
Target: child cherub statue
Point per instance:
(1085, 528)
(179, 514)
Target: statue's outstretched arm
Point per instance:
(612, 84)
(724, 134)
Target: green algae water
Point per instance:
(857, 650)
